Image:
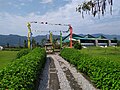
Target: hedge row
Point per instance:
(103, 72)
(22, 73)
(22, 52)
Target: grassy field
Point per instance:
(112, 53)
(6, 57)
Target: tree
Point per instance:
(78, 46)
(25, 43)
(33, 43)
(8, 45)
(37, 44)
(94, 7)
(114, 38)
(43, 41)
(118, 43)
(55, 44)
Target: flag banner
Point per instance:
(33, 22)
(42, 22)
(60, 24)
(65, 31)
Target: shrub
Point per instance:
(78, 46)
(103, 72)
(22, 52)
(22, 73)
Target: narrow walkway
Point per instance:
(59, 75)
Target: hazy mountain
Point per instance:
(108, 36)
(13, 40)
(16, 40)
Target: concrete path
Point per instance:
(58, 74)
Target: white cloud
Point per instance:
(26, 0)
(9, 3)
(66, 15)
(46, 1)
(22, 4)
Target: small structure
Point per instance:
(1, 48)
(49, 47)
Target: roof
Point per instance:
(102, 37)
(74, 36)
(86, 37)
(65, 41)
(89, 36)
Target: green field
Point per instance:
(112, 53)
(6, 57)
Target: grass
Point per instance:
(6, 57)
(101, 65)
(110, 52)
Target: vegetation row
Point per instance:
(22, 52)
(22, 73)
(103, 71)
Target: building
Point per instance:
(89, 40)
(1, 48)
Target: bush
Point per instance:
(78, 46)
(103, 72)
(22, 73)
(22, 52)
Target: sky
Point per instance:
(14, 15)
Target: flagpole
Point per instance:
(70, 28)
(60, 40)
(29, 36)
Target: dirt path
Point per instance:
(59, 75)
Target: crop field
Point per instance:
(6, 57)
(101, 65)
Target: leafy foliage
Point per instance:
(103, 72)
(22, 52)
(95, 6)
(22, 73)
(78, 46)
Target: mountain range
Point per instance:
(16, 40)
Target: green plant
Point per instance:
(103, 71)
(22, 52)
(22, 73)
(78, 46)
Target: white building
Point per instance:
(1, 48)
